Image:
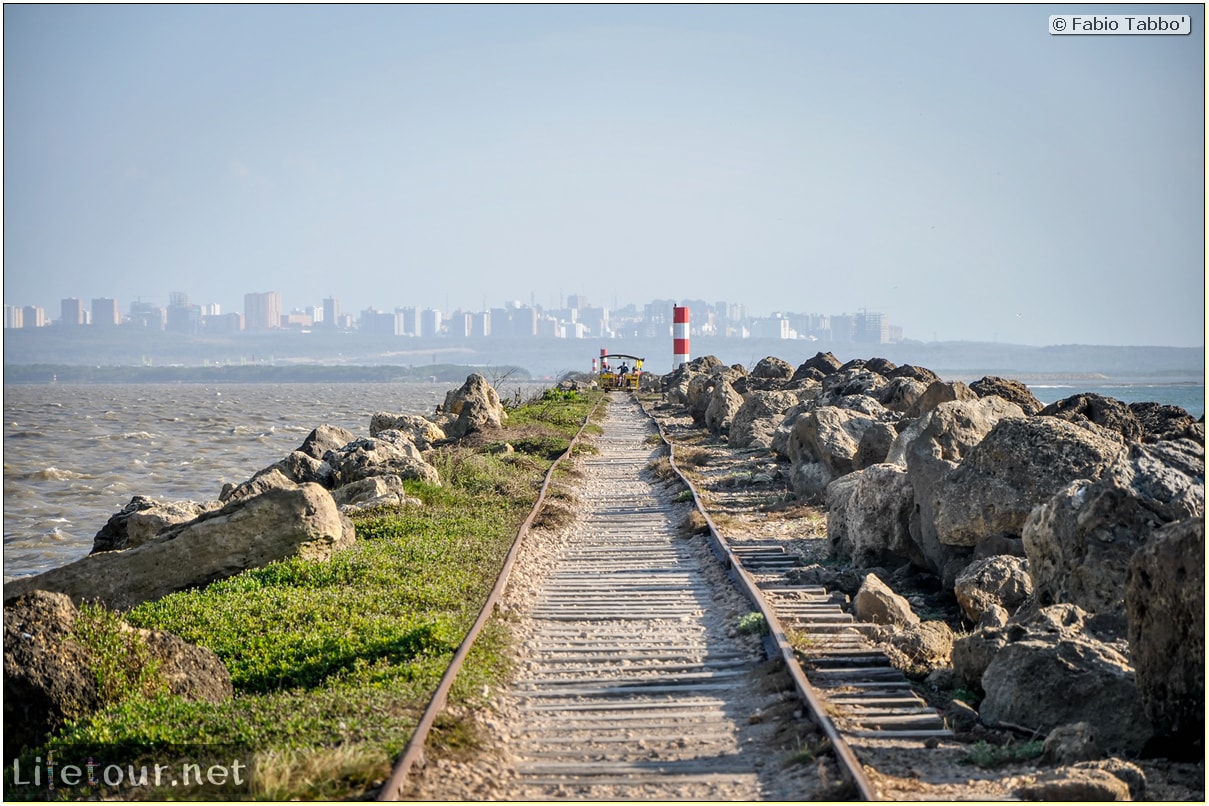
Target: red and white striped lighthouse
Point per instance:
(679, 336)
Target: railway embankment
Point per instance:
(1036, 570)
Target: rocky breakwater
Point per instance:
(1070, 535)
(296, 507)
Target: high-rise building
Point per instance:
(33, 316)
(871, 328)
(430, 322)
(331, 312)
(147, 316)
(105, 312)
(262, 311)
(182, 317)
(13, 316)
(71, 312)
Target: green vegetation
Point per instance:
(989, 756)
(333, 662)
(753, 624)
(122, 664)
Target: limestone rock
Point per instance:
(940, 392)
(143, 518)
(1074, 784)
(772, 368)
(1068, 744)
(302, 521)
(922, 374)
(901, 393)
(47, 678)
(876, 603)
(374, 491)
(756, 420)
(823, 363)
(50, 677)
(1161, 422)
(477, 407)
(326, 438)
(1001, 580)
(1043, 681)
(1165, 608)
(1010, 390)
(868, 516)
(724, 403)
(271, 478)
(421, 431)
(1105, 412)
(1019, 464)
(379, 456)
(1080, 541)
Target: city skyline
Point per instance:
(575, 318)
(959, 168)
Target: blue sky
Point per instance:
(957, 168)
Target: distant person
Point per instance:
(625, 369)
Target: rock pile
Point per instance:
(1071, 535)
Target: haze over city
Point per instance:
(958, 169)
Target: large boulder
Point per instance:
(940, 392)
(1042, 680)
(856, 381)
(724, 404)
(1081, 540)
(901, 393)
(868, 517)
(821, 364)
(143, 518)
(950, 430)
(932, 447)
(1001, 581)
(476, 405)
(1165, 608)
(388, 454)
(1019, 464)
(756, 420)
(1161, 422)
(830, 436)
(48, 679)
(922, 374)
(50, 676)
(271, 478)
(772, 368)
(374, 491)
(1090, 408)
(875, 602)
(422, 432)
(302, 521)
(1010, 390)
(326, 438)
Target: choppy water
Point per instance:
(76, 454)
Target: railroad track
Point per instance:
(634, 682)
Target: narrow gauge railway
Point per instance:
(633, 682)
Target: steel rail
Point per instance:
(414, 750)
(851, 767)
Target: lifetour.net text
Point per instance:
(53, 774)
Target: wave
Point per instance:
(53, 474)
(128, 435)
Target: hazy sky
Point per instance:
(957, 168)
